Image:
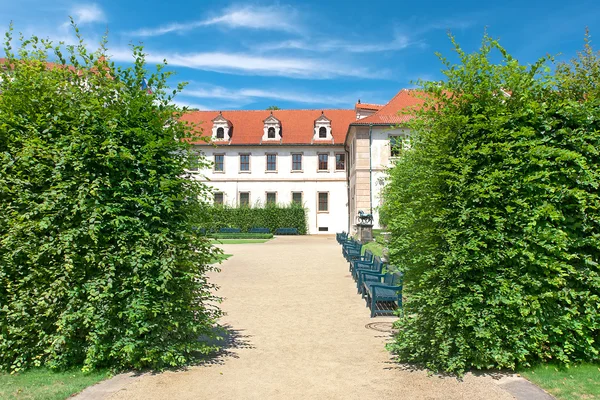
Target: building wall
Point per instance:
(258, 181)
(365, 177)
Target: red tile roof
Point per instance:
(389, 114)
(297, 126)
(368, 106)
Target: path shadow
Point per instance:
(393, 364)
(227, 339)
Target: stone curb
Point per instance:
(522, 389)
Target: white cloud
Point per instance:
(398, 43)
(87, 14)
(249, 95)
(249, 64)
(275, 18)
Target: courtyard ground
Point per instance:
(296, 329)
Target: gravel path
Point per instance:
(297, 331)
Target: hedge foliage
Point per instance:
(243, 235)
(495, 215)
(100, 264)
(245, 218)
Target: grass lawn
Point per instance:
(43, 384)
(576, 383)
(240, 241)
(376, 248)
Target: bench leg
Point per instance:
(373, 306)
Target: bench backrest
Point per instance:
(393, 278)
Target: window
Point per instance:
(244, 198)
(396, 145)
(323, 202)
(218, 198)
(323, 158)
(220, 133)
(193, 163)
(271, 133)
(296, 162)
(271, 162)
(271, 198)
(322, 132)
(340, 161)
(297, 198)
(244, 162)
(219, 162)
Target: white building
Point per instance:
(332, 161)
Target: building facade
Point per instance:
(331, 161)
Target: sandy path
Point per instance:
(298, 332)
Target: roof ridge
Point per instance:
(291, 109)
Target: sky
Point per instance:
(306, 54)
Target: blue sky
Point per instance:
(308, 54)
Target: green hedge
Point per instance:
(100, 265)
(242, 235)
(245, 218)
(495, 215)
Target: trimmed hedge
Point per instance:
(245, 218)
(100, 266)
(243, 235)
(495, 215)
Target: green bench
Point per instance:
(286, 231)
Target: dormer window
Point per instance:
(322, 132)
(271, 129)
(222, 128)
(322, 128)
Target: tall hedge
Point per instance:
(245, 218)
(495, 215)
(100, 264)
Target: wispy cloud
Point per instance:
(250, 64)
(88, 13)
(399, 42)
(275, 18)
(249, 95)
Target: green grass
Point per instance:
(376, 248)
(43, 384)
(240, 241)
(575, 383)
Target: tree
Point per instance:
(100, 261)
(495, 214)
(273, 108)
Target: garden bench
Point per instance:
(341, 237)
(286, 231)
(230, 230)
(259, 230)
(387, 288)
(351, 250)
(365, 258)
(374, 267)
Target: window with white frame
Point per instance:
(244, 199)
(297, 198)
(219, 198)
(323, 202)
(323, 161)
(219, 164)
(271, 162)
(297, 162)
(340, 161)
(245, 162)
(271, 198)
